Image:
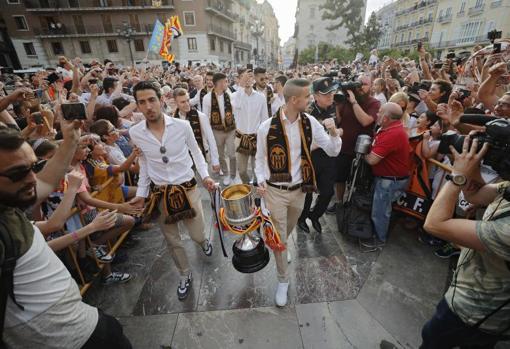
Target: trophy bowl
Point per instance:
(250, 252)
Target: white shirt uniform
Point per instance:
(179, 141)
(208, 137)
(331, 145)
(249, 110)
(277, 103)
(206, 104)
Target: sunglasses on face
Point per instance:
(162, 150)
(18, 174)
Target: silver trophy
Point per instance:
(250, 252)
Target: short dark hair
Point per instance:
(259, 70)
(180, 92)
(108, 112)
(42, 147)
(109, 83)
(120, 103)
(431, 117)
(444, 86)
(217, 77)
(282, 79)
(146, 85)
(10, 139)
(100, 128)
(209, 73)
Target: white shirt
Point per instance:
(249, 110)
(381, 98)
(277, 103)
(206, 104)
(208, 137)
(195, 101)
(179, 141)
(52, 301)
(105, 99)
(331, 145)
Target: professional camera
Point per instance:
(343, 87)
(497, 134)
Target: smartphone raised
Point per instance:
(74, 111)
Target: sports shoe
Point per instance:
(102, 255)
(116, 278)
(281, 294)
(184, 287)
(387, 345)
(373, 244)
(447, 251)
(429, 240)
(207, 248)
(331, 209)
(226, 181)
(316, 225)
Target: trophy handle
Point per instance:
(215, 206)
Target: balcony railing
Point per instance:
(445, 18)
(219, 8)
(219, 31)
(460, 42)
(96, 5)
(414, 24)
(242, 45)
(496, 3)
(418, 6)
(409, 42)
(88, 31)
(476, 10)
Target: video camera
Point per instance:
(497, 134)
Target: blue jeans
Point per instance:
(385, 192)
(446, 330)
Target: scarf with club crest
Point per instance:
(194, 120)
(216, 123)
(278, 152)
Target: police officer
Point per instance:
(321, 108)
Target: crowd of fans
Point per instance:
(90, 209)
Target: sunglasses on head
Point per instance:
(17, 174)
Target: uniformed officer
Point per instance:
(322, 108)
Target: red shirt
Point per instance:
(392, 145)
(351, 126)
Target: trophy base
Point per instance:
(250, 261)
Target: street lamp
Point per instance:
(257, 30)
(126, 33)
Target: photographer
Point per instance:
(321, 108)
(475, 310)
(356, 116)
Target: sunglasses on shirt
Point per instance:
(162, 150)
(20, 173)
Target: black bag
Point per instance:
(354, 219)
(12, 253)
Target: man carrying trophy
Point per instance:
(283, 165)
(169, 150)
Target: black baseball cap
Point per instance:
(324, 86)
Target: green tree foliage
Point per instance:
(347, 14)
(326, 52)
(371, 33)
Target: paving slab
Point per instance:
(261, 328)
(150, 332)
(343, 324)
(404, 286)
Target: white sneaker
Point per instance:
(289, 258)
(281, 294)
(226, 181)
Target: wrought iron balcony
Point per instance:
(242, 45)
(88, 31)
(496, 3)
(473, 11)
(418, 6)
(46, 6)
(444, 18)
(460, 42)
(409, 42)
(219, 31)
(219, 8)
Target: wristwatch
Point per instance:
(457, 179)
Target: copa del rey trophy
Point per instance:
(241, 216)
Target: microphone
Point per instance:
(477, 119)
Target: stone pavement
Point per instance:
(339, 297)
